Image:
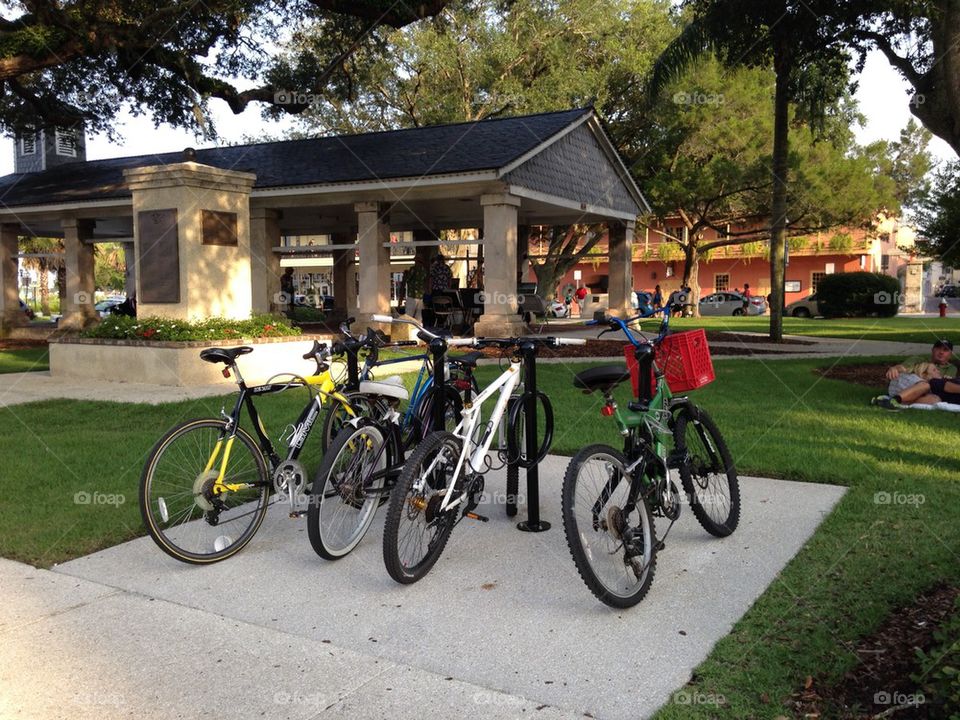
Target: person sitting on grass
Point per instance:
(923, 380)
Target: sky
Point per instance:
(882, 95)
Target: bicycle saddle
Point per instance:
(224, 355)
(603, 378)
(390, 387)
(470, 359)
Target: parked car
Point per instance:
(105, 307)
(804, 308)
(731, 303)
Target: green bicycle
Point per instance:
(611, 497)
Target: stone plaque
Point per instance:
(159, 256)
(219, 228)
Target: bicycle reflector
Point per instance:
(607, 410)
(226, 372)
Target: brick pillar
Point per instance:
(265, 269)
(621, 267)
(500, 266)
(78, 310)
(373, 233)
(10, 315)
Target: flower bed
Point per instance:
(119, 327)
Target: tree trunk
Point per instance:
(548, 275)
(691, 276)
(778, 234)
(44, 288)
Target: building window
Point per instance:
(815, 279)
(28, 144)
(66, 141)
(721, 282)
(885, 263)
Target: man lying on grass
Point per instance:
(922, 380)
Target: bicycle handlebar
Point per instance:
(616, 323)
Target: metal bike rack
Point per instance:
(533, 523)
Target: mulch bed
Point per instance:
(887, 659)
(21, 344)
(869, 374)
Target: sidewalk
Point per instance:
(502, 627)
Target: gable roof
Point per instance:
(408, 153)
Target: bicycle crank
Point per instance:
(289, 482)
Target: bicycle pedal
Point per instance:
(474, 516)
(297, 514)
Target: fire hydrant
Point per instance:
(943, 307)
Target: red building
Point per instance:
(660, 262)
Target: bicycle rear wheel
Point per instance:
(422, 423)
(416, 531)
(178, 503)
(611, 537)
(708, 474)
(347, 490)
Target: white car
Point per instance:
(731, 303)
(803, 308)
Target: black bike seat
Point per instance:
(224, 355)
(603, 378)
(470, 359)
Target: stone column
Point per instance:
(374, 260)
(192, 235)
(10, 315)
(265, 269)
(78, 310)
(344, 274)
(130, 269)
(500, 266)
(620, 243)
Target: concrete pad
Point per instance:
(502, 610)
(19, 388)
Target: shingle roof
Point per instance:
(415, 152)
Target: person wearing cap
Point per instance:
(923, 380)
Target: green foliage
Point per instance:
(86, 61)
(938, 217)
(841, 242)
(415, 280)
(858, 294)
(796, 244)
(668, 251)
(307, 314)
(939, 673)
(108, 267)
(155, 329)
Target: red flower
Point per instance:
(267, 328)
(149, 332)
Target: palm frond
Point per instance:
(693, 42)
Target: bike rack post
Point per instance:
(533, 523)
(353, 366)
(438, 348)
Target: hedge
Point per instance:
(858, 294)
(120, 327)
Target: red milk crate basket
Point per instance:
(684, 358)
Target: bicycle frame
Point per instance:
(474, 453)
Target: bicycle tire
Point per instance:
(692, 470)
(190, 513)
(341, 498)
(412, 504)
(335, 415)
(617, 575)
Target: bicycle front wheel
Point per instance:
(337, 415)
(611, 535)
(347, 490)
(182, 507)
(707, 472)
(416, 530)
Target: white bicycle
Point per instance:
(442, 480)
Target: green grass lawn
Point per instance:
(780, 420)
(24, 360)
(903, 329)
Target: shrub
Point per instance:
(858, 294)
(305, 313)
(119, 327)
